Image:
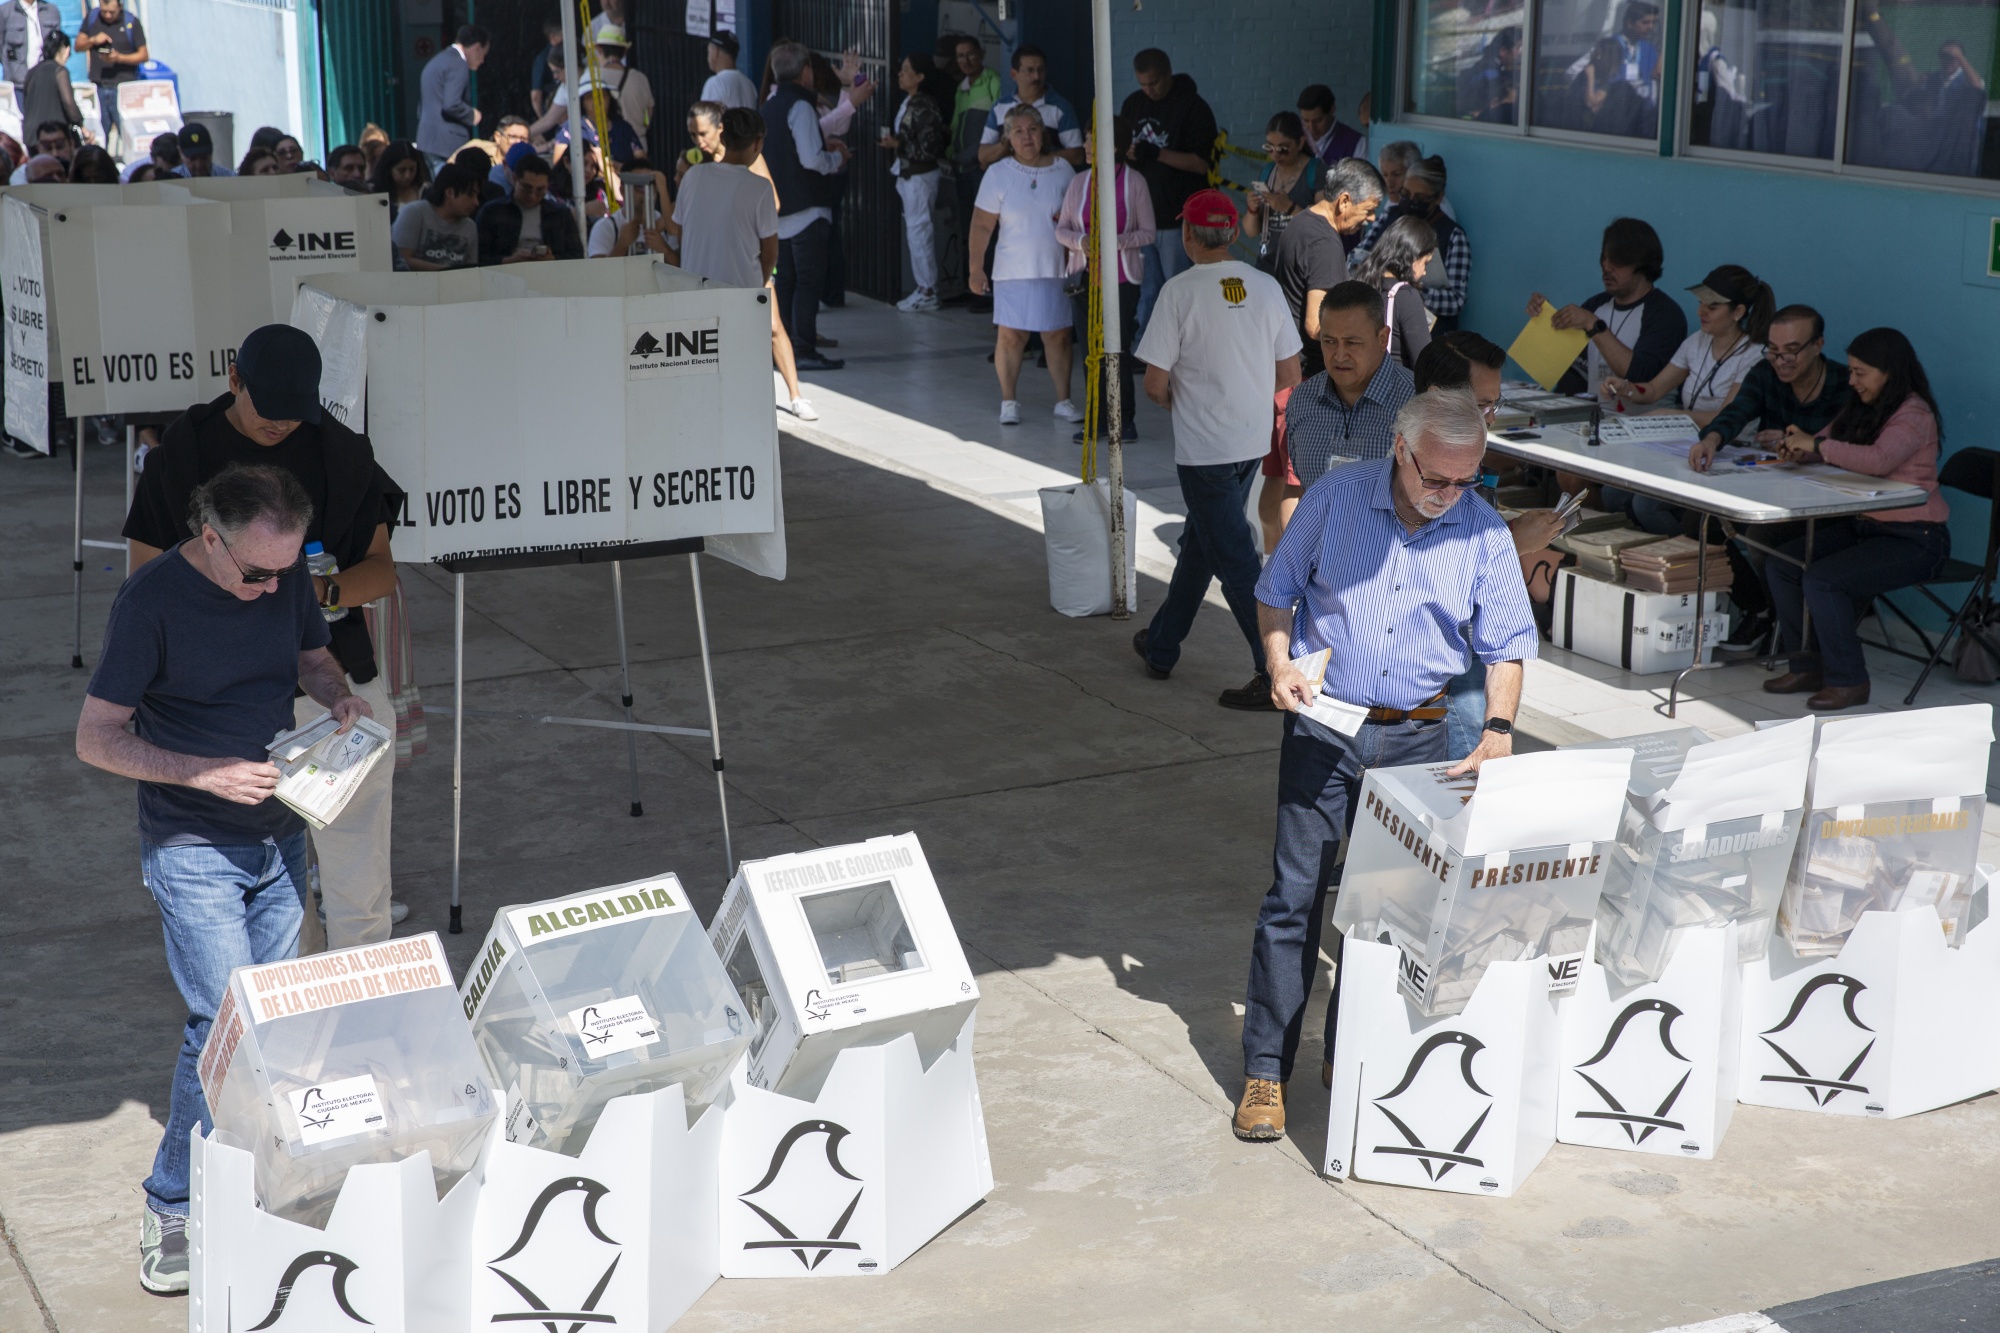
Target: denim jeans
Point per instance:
(1216, 543)
(1165, 257)
(800, 282)
(1853, 562)
(1319, 780)
(223, 908)
(1465, 711)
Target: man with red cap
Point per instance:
(1220, 343)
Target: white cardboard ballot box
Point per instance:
(318, 1065)
(1894, 808)
(861, 1176)
(840, 947)
(1894, 1024)
(1652, 1068)
(577, 1001)
(392, 1256)
(1464, 1103)
(1624, 627)
(623, 1235)
(1461, 873)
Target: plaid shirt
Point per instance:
(1322, 432)
(1448, 299)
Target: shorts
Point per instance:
(1278, 463)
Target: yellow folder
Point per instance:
(1545, 351)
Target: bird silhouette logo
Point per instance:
(815, 1006)
(1438, 1162)
(647, 346)
(788, 1238)
(1234, 292)
(538, 1309)
(343, 1268)
(1624, 1065)
(311, 1116)
(1822, 1090)
(591, 1036)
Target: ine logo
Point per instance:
(343, 1268)
(789, 1239)
(1454, 1096)
(1630, 1066)
(660, 351)
(538, 1309)
(1823, 1090)
(646, 346)
(307, 244)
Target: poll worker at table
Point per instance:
(1387, 564)
(204, 649)
(271, 417)
(1888, 428)
(1734, 309)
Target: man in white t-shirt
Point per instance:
(727, 216)
(727, 84)
(1221, 343)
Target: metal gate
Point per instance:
(870, 217)
(675, 64)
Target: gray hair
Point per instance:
(1022, 111)
(1429, 170)
(1402, 152)
(1447, 417)
(238, 496)
(1212, 237)
(1354, 178)
(789, 60)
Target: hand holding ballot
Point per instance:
(1546, 346)
(1563, 318)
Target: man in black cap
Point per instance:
(271, 417)
(726, 83)
(198, 153)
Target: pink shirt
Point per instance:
(1905, 450)
(1135, 223)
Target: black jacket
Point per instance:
(500, 230)
(1181, 123)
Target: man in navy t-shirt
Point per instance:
(203, 652)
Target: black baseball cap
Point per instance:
(196, 141)
(727, 41)
(279, 366)
(1725, 286)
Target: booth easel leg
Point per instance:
(131, 482)
(76, 553)
(625, 681)
(714, 721)
(457, 739)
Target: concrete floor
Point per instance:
(1102, 840)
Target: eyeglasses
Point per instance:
(256, 576)
(1489, 410)
(1278, 147)
(1431, 483)
(1793, 353)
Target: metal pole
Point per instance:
(76, 554)
(572, 54)
(1106, 184)
(457, 739)
(625, 680)
(131, 481)
(714, 721)
(1700, 614)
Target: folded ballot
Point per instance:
(323, 767)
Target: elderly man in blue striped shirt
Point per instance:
(1382, 565)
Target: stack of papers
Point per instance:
(1597, 551)
(323, 768)
(1672, 566)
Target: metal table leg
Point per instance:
(457, 926)
(625, 681)
(714, 720)
(1700, 614)
(76, 554)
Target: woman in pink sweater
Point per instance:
(1888, 429)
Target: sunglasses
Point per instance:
(251, 577)
(1431, 483)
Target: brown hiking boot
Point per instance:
(1260, 1116)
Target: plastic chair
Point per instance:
(1975, 472)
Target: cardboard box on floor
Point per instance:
(1643, 632)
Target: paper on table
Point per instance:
(1910, 756)
(1545, 351)
(1848, 483)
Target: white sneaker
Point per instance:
(918, 302)
(909, 302)
(399, 911)
(803, 410)
(1010, 412)
(1068, 411)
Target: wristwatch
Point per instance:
(332, 595)
(1598, 327)
(1500, 725)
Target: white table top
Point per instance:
(1740, 495)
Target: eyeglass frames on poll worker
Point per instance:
(251, 577)
(1431, 483)
(1790, 351)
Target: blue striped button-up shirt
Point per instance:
(1322, 432)
(1398, 608)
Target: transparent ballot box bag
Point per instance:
(361, 1055)
(581, 999)
(838, 947)
(1705, 838)
(1895, 806)
(1461, 873)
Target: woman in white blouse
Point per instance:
(1735, 313)
(1020, 196)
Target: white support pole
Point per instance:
(572, 54)
(131, 482)
(625, 681)
(714, 720)
(457, 740)
(76, 553)
(1108, 274)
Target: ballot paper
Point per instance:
(1545, 351)
(322, 767)
(1326, 710)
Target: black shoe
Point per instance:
(1139, 646)
(1750, 640)
(20, 450)
(1252, 698)
(815, 361)
(980, 305)
(1128, 435)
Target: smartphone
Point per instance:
(1520, 436)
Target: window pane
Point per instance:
(1597, 67)
(1767, 76)
(1918, 100)
(1465, 63)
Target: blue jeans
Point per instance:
(1651, 515)
(1465, 711)
(1216, 543)
(1853, 563)
(223, 908)
(1319, 781)
(1165, 257)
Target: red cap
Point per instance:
(1209, 208)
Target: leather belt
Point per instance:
(1430, 710)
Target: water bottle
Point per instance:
(323, 565)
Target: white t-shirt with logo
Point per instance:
(1219, 330)
(724, 211)
(1710, 380)
(1027, 200)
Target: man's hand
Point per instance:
(242, 781)
(1535, 529)
(1492, 745)
(1573, 317)
(1701, 456)
(1798, 446)
(1290, 690)
(347, 711)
